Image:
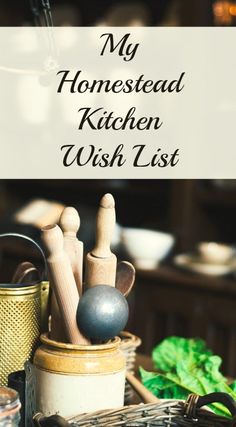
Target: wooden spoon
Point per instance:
(26, 272)
(125, 277)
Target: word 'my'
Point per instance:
(125, 49)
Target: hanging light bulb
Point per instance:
(232, 9)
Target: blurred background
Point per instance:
(182, 287)
(122, 13)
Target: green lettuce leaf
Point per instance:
(174, 349)
(233, 386)
(186, 366)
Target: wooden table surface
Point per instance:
(172, 302)
(170, 273)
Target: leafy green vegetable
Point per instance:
(186, 366)
(233, 386)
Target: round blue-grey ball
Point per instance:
(102, 313)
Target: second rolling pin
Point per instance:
(70, 223)
(101, 262)
(63, 282)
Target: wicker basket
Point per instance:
(129, 345)
(172, 413)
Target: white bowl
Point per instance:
(215, 253)
(146, 247)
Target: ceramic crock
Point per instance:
(72, 379)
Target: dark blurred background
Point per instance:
(166, 300)
(192, 210)
(122, 13)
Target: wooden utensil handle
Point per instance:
(75, 250)
(68, 298)
(70, 223)
(106, 219)
(63, 282)
(142, 391)
(57, 331)
(100, 271)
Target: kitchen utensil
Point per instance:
(71, 378)
(194, 263)
(125, 277)
(70, 224)
(57, 329)
(146, 247)
(23, 316)
(25, 273)
(102, 312)
(143, 392)
(20, 326)
(101, 262)
(63, 282)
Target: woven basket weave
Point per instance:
(129, 345)
(172, 413)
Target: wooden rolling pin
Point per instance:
(101, 262)
(143, 392)
(70, 223)
(63, 282)
(57, 330)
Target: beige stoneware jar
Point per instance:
(73, 379)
